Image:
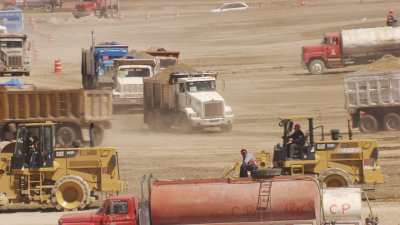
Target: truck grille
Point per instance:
(14, 61)
(214, 109)
(132, 88)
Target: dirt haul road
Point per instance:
(257, 53)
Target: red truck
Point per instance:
(351, 47)
(244, 201)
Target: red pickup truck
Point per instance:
(351, 47)
(120, 210)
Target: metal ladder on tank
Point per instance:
(264, 196)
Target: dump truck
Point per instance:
(97, 64)
(166, 58)
(372, 100)
(272, 200)
(33, 172)
(351, 47)
(181, 96)
(128, 75)
(337, 162)
(73, 111)
(14, 55)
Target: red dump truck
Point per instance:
(73, 111)
(277, 200)
(351, 47)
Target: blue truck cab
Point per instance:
(13, 20)
(104, 54)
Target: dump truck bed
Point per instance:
(76, 105)
(379, 89)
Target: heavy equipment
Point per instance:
(271, 200)
(13, 20)
(372, 100)
(73, 111)
(14, 55)
(166, 58)
(99, 8)
(351, 47)
(33, 171)
(337, 162)
(181, 96)
(97, 63)
(127, 76)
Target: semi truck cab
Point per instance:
(202, 104)
(328, 54)
(128, 78)
(14, 55)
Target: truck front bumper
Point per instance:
(212, 122)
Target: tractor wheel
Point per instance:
(317, 67)
(335, 178)
(369, 124)
(391, 121)
(65, 136)
(71, 193)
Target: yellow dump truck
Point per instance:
(34, 172)
(73, 110)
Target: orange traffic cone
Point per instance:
(57, 66)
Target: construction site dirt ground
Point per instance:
(257, 54)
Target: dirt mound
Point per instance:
(140, 54)
(387, 63)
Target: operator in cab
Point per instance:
(298, 140)
(391, 20)
(248, 163)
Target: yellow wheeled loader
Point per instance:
(34, 172)
(337, 162)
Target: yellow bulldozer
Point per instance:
(34, 172)
(337, 162)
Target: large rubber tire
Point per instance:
(368, 124)
(71, 193)
(65, 136)
(333, 177)
(317, 67)
(391, 122)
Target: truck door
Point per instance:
(118, 214)
(333, 48)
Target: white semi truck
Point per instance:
(14, 55)
(128, 75)
(185, 98)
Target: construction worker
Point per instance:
(391, 20)
(298, 140)
(248, 163)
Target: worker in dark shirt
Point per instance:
(391, 20)
(248, 163)
(297, 142)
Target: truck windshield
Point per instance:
(200, 86)
(11, 44)
(134, 72)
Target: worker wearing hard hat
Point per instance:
(248, 163)
(391, 20)
(297, 142)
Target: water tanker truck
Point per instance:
(351, 47)
(181, 96)
(274, 200)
